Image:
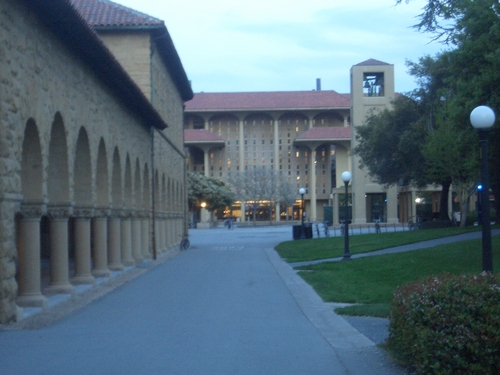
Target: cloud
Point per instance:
(236, 45)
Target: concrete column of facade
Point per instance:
(28, 258)
(311, 122)
(114, 242)
(59, 258)
(392, 205)
(83, 252)
(100, 243)
(137, 239)
(126, 240)
(276, 163)
(145, 236)
(241, 140)
(312, 184)
(335, 208)
(413, 204)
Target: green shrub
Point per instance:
(448, 325)
(472, 217)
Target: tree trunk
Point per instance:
(443, 201)
(464, 205)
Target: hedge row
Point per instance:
(448, 325)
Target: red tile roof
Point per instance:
(325, 133)
(201, 136)
(107, 13)
(268, 101)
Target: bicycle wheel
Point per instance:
(184, 244)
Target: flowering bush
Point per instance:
(448, 325)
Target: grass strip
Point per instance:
(373, 280)
(332, 247)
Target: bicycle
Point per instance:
(417, 225)
(184, 245)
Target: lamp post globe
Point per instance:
(346, 177)
(482, 119)
(302, 191)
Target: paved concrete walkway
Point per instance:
(228, 305)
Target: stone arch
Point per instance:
(138, 203)
(116, 181)
(31, 164)
(324, 119)
(294, 118)
(82, 171)
(194, 122)
(129, 197)
(58, 172)
(102, 177)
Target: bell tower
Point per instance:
(372, 89)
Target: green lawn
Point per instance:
(371, 281)
(324, 248)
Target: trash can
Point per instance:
(297, 231)
(308, 231)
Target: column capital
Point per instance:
(84, 212)
(31, 211)
(60, 210)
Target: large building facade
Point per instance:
(92, 162)
(307, 137)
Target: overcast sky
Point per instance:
(284, 45)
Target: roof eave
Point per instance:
(266, 109)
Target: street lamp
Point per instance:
(302, 191)
(482, 119)
(346, 177)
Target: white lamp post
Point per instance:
(302, 191)
(482, 119)
(346, 177)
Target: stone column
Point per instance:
(159, 245)
(137, 239)
(126, 240)
(100, 244)
(59, 259)
(145, 236)
(114, 243)
(28, 258)
(83, 261)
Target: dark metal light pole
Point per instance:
(346, 177)
(482, 119)
(302, 191)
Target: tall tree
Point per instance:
(215, 193)
(390, 142)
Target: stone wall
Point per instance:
(41, 82)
